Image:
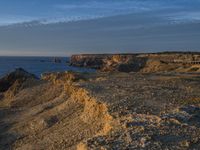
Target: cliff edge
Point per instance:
(148, 63)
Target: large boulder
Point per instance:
(15, 77)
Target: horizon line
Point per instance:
(114, 53)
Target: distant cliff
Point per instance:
(149, 62)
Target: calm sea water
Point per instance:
(36, 65)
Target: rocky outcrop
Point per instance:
(91, 61)
(17, 76)
(116, 62)
(57, 113)
(151, 62)
(13, 83)
(62, 77)
(57, 60)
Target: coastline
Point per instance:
(36, 65)
(140, 62)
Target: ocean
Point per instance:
(37, 65)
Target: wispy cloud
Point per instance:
(185, 16)
(13, 19)
(108, 7)
(176, 10)
(68, 10)
(105, 5)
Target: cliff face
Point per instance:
(179, 62)
(92, 61)
(116, 62)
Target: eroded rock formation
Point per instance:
(51, 113)
(67, 110)
(156, 62)
(19, 75)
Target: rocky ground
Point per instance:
(112, 111)
(154, 111)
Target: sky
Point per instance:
(66, 27)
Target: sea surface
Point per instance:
(36, 65)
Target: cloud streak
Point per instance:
(68, 10)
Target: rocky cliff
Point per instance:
(150, 62)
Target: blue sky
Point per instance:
(65, 10)
(25, 26)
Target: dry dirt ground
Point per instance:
(112, 111)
